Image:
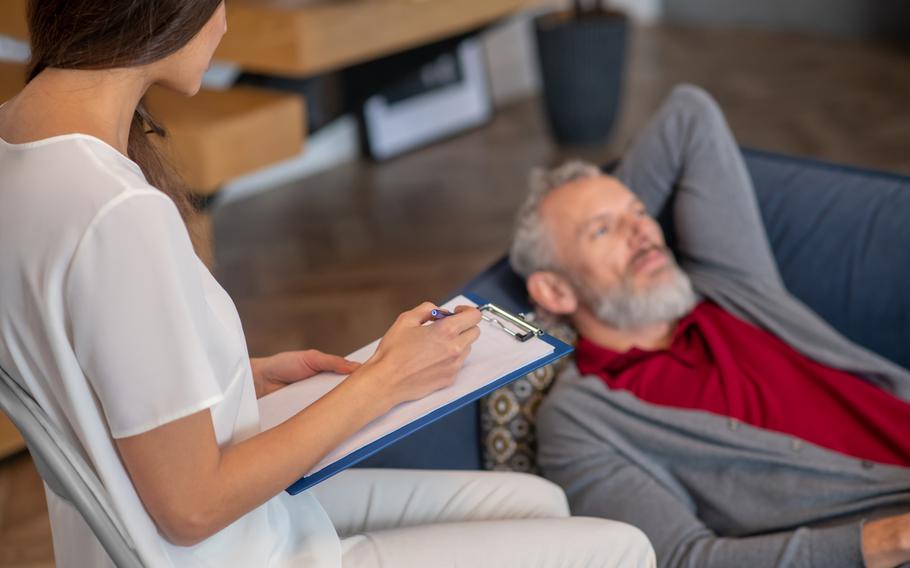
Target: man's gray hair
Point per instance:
(532, 248)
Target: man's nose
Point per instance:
(634, 225)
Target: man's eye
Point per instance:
(600, 231)
(642, 212)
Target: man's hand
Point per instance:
(886, 542)
(277, 371)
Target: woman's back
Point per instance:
(116, 328)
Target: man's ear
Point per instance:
(552, 292)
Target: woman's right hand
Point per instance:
(414, 359)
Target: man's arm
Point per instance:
(687, 152)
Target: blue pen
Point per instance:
(439, 313)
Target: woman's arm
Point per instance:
(192, 488)
(279, 370)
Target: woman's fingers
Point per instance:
(461, 321)
(463, 316)
(319, 361)
(468, 337)
(421, 314)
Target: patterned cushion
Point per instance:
(508, 417)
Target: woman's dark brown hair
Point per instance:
(101, 34)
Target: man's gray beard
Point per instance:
(625, 308)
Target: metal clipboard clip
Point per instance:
(517, 328)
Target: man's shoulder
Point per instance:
(572, 393)
(579, 397)
(567, 379)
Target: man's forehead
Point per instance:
(586, 197)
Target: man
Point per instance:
(709, 407)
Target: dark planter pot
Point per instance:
(581, 64)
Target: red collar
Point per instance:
(593, 358)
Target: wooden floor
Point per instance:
(329, 262)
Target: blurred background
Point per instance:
(353, 158)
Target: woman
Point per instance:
(123, 336)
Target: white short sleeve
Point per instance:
(140, 324)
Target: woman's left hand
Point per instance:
(277, 371)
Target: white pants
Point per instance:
(436, 519)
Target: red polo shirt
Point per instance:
(724, 365)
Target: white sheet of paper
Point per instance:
(494, 355)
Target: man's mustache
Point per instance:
(644, 251)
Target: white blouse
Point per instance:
(116, 328)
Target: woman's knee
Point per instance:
(539, 497)
(615, 543)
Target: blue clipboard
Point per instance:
(560, 350)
